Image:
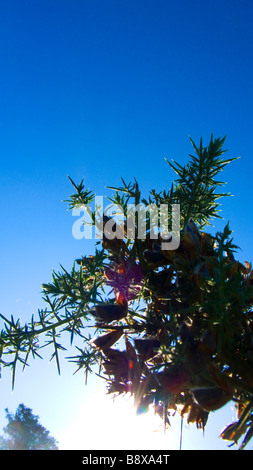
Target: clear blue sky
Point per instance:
(98, 90)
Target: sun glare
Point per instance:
(112, 424)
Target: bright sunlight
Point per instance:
(117, 426)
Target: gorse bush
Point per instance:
(173, 328)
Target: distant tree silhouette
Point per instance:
(24, 432)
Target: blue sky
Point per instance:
(98, 90)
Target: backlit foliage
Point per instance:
(173, 328)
